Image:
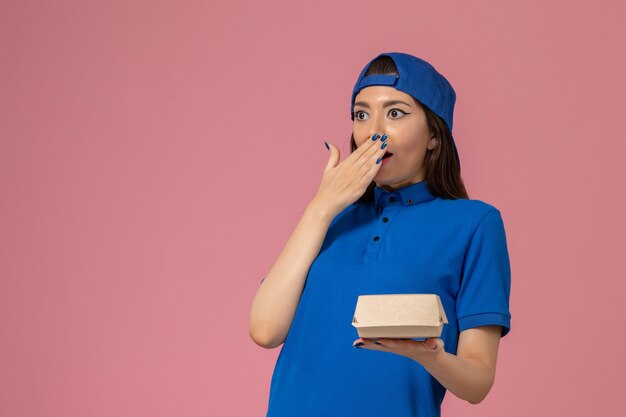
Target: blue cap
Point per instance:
(417, 78)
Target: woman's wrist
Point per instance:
(429, 358)
(323, 211)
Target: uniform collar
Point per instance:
(409, 195)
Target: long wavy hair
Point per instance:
(442, 171)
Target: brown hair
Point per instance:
(442, 171)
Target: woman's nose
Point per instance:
(380, 131)
(378, 126)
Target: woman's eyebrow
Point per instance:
(385, 104)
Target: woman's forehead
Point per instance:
(379, 93)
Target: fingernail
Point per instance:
(378, 343)
(327, 147)
(379, 159)
(375, 136)
(384, 138)
(358, 344)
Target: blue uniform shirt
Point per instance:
(404, 242)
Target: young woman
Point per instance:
(392, 218)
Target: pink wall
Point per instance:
(155, 156)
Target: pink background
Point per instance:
(156, 155)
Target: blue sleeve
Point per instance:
(485, 288)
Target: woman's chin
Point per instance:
(382, 172)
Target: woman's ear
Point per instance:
(432, 144)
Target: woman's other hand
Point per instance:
(418, 350)
(345, 182)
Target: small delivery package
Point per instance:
(399, 316)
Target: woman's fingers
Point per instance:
(333, 158)
(370, 161)
(367, 145)
(344, 182)
(374, 152)
(406, 347)
(373, 168)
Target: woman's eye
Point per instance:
(397, 110)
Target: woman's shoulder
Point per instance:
(470, 204)
(467, 208)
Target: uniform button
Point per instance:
(392, 199)
(410, 201)
(376, 238)
(385, 220)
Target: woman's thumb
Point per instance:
(432, 343)
(334, 156)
